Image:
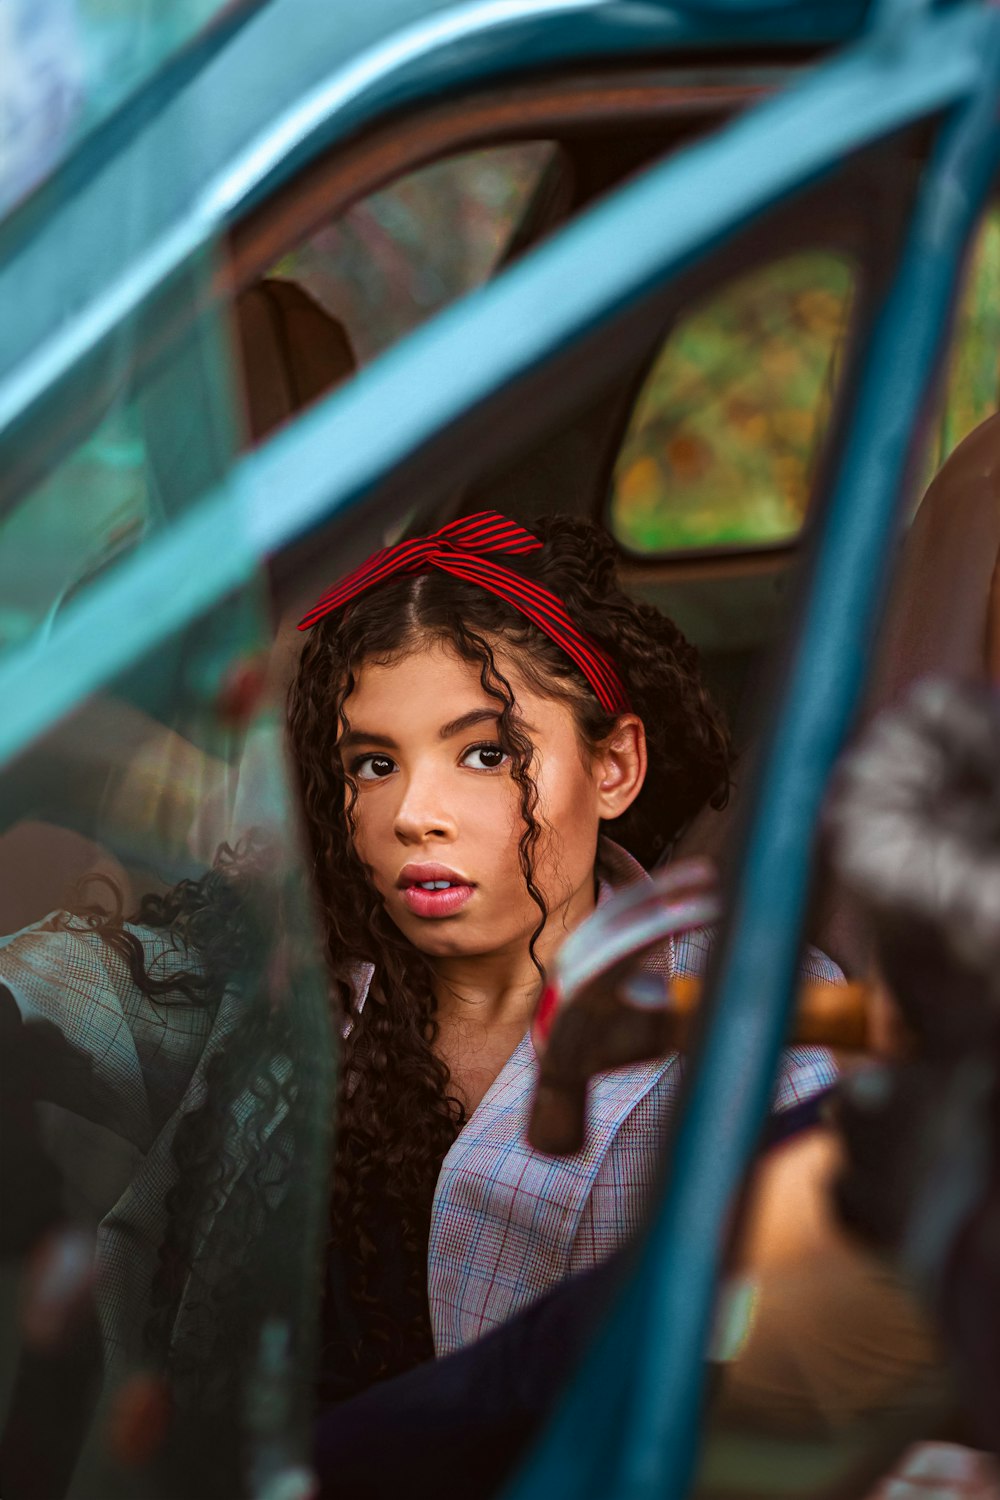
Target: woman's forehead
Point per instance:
(431, 678)
(429, 687)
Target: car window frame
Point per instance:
(380, 475)
(346, 173)
(916, 98)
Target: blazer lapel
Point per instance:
(505, 1216)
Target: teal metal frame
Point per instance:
(342, 452)
(453, 377)
(297, 77)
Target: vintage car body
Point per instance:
(774, 118)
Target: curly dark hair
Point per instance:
(244, 929)
(397, 1114)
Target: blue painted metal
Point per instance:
(647, 1372)
(296, 77)
(344, 451)
(628, 1429)
(107, 126)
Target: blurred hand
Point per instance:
(940, 1471)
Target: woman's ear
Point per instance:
(620, 764)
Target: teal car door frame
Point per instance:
(545, 309)
(224, 132)
(453, 379)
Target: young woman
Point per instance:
(484, 703)
(473, 712)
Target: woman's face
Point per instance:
(438, 816)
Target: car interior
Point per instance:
(699, 531)
(700, 436)
(364, 244)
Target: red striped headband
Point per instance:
(464, 549)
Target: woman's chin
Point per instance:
(446, 939)
(433, 942)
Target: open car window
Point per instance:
(399, 255)
(723, 441)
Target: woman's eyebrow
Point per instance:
(354, 737)
(467, 721)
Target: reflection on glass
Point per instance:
(972, 390)
(69, 63)
(403, 253)
(164, 983)
(726, 430)
(95, 504)
(157, 447)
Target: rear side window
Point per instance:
(972, 385)
(400, 255)
(725, 433)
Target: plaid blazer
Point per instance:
(113, 1100)
(508, 1223)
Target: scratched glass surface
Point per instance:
(67, 64)
(149, 835)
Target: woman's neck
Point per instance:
(502, 988)
(489, 990)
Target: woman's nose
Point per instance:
(421, 813)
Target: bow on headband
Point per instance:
(464, 549)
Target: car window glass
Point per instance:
(403, 253)
(120, 812)
(163, 766)
(725, 433)
(159, 446)
(69, 63)
(972, 384)
(55, 544)
(390, 262)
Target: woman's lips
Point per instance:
(441, 903)
(454, 889)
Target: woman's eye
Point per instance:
(484, 757)
(373, 767)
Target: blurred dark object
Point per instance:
(59, 1367)
(943, 619)
(915, 833)
(915, 823)
(30, 1189)
(292, 352)
(607, 1002)
(139, 1420)
(611, 1001)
